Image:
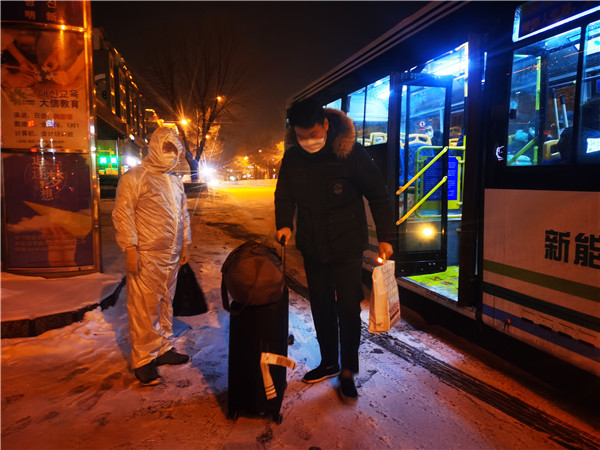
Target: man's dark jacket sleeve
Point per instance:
(375, 191)
(285, 206)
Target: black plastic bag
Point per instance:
(189, 299)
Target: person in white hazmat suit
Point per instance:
(153, 229)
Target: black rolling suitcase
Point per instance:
(258, 330)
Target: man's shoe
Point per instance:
(148, 375)
(172, 357)
(347, 389)
(320, 373)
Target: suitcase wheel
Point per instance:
(291, 339)
(233, 415)
(277, 418)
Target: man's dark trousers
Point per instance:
(340, 278)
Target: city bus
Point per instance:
(483, 120)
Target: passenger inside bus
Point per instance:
(589, 140)
(435, 136)
(523, 141)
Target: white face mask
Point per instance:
(312, 145)
(169, 160)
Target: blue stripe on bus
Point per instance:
(559, 339)
(560, 312)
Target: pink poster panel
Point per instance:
(44, 89)
(47, 210)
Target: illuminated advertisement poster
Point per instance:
(44, 12)
(44, 89)
(48, 207)
(48, 211)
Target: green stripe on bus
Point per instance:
(560, 312)
(558, 284)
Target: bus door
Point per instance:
(425, 178)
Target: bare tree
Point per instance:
(200, 77)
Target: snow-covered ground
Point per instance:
(72, 387)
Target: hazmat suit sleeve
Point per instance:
(123, 215)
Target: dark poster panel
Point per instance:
(433, 176)
(69, 13)
(47, 210)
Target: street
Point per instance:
(72, 387)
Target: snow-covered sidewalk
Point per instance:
(32, 305)
(72, 387)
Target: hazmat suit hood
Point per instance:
(154, 161)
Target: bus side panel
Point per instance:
(541, 270)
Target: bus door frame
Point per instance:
(430, 261)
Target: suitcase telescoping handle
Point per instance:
(283, 254)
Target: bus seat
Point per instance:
(548, 150)
(453, 142)
(417, 138)
(378, 137)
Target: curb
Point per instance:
(39, 325)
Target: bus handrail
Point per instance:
(523, 150)
(414, 208)
(461, 162)
(418, 174)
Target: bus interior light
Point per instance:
(427, 232)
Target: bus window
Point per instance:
(542, 95)
(454, 63)
(589, 147)
(356, 112)
(337, 104)
(376, 118)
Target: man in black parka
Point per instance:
(324, 175)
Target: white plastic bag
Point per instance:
(384, 311)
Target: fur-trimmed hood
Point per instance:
(341, 135)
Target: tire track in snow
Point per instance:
(559, 431)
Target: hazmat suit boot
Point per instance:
(148, 375)
(172, 357)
